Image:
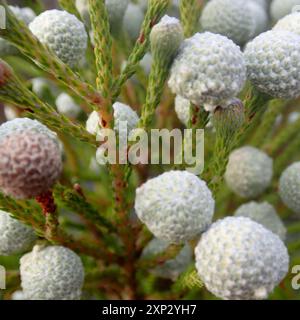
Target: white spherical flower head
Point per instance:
(176, 206)
(30, 161)
(289, 187)
(123, 115)
(231, 18)
(249, 172)
(273, 63)
(239, 259)
(66, 105)
(63, 33)
(209, 70)
(15, 237)
(51, 273)
(281, 8)
(171, 269)
(133, 19)
(182, 108)
(290, 23)
(265, 214)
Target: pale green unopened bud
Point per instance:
(166, 38)
(230, 118)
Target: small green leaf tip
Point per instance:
(165, 39)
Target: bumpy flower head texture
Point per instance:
(30, 160)
(182, 109)
(21, 125)
(281, 8)
(133, 20)
(273, 63)
(290, 23)
(51, 273)
(67, 106)
(289, 187)
(15, 237)
(63, 33)
(122, 114)
(230, 18)
(265, 214)
(26, 15)
(171, 269)
(249, 172)
(116, 10)
(239, 259)
(176, 206)
(208, 70)
(165, 38)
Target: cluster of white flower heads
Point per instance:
(30, 158)
(176, 206)
(208, 70)
(265, 214)
(51, 273)
(15, 237)
(66, 105)
(249, 172)
(63, 33)
(26, 15)
(273, 63)
(170, 269)
(239, 259)
(289, 187)
(281, 8)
